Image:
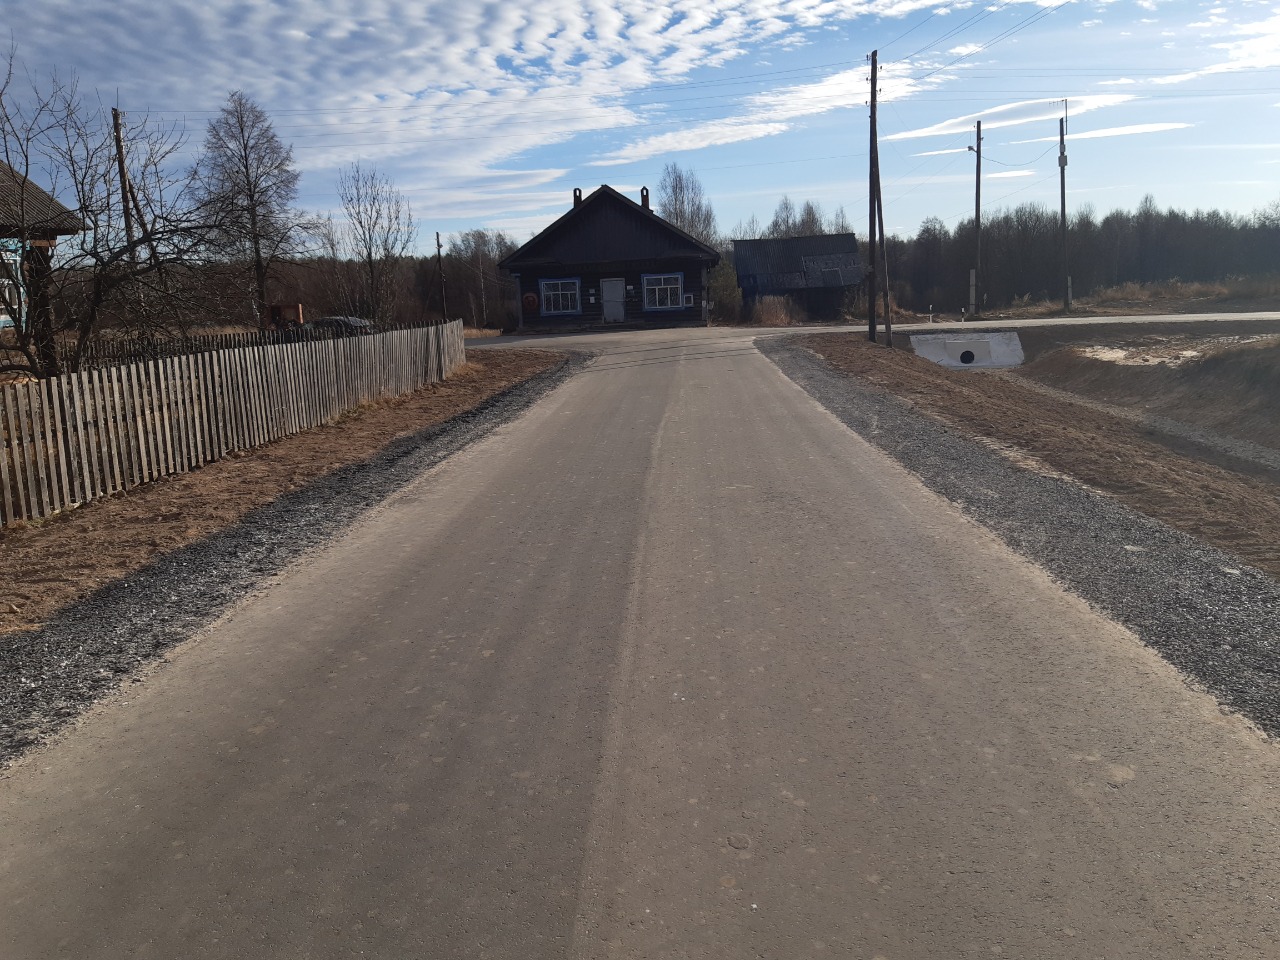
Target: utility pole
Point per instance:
(884, 255)
(444, 307)
(484, 303)
(1062, 178)
(977, 227)
(124, 185)
(871, 208)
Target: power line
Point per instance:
(978, 17)
(1005, 35)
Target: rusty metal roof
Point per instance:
(794, 263)
(25, 208)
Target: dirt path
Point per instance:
(1236, 513)
(46, 566)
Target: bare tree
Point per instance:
(811, 223)
(784, 222)
(681, 202)
(750, 230)
(479, 280)
(368, 244)
(247, 176)
(70, 270)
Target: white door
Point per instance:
(613, 295)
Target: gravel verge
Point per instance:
(50, 674)
(1214, 618)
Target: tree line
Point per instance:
(1021, 256)
(163, 243)
(1022, 259)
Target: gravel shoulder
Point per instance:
(92, 596)
(1212, 614)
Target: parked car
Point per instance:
(6, 323)
(342, 326)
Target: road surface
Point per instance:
(673, 666)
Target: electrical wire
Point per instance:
(1005, 35)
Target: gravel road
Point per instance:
(1214, 618)
(47, 676)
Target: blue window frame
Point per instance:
(663, 291)
(12, 296)
(560, 296)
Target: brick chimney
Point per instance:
(577, 196)
(644, 197)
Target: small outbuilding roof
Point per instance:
(26, 208)
(795, 263)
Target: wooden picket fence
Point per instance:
(74, 438)
(112, 349)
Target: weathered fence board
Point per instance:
(75, 438)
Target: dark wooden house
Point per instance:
(611, 260)
(31, 221)
(818, 273)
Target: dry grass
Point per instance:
(1233, 288)
(1235, 512)
(774, 312)
(480, 333)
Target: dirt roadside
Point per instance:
(46, 566)
(1238, 514)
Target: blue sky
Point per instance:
(488, 114)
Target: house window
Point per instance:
(10, 289)
(560, 296)
(664, 291)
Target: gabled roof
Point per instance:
(607, 227)
(27, 209)
(827, 260)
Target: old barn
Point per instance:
(818, 273)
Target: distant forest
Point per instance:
(1022, 253)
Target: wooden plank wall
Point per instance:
(75, 438)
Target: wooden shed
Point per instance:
(611, 260)
(817, 272)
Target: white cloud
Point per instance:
(1125, 131)
(713, 134)
(482, 109)
(1014, 114)
(1258, 50)
(1009, 174)
(453, 88)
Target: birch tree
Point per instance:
(249, 183)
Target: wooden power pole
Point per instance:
(444, 306)
(1062, 178)
(125, 200)
(884, 254)
(975, 299)
(871, 209)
